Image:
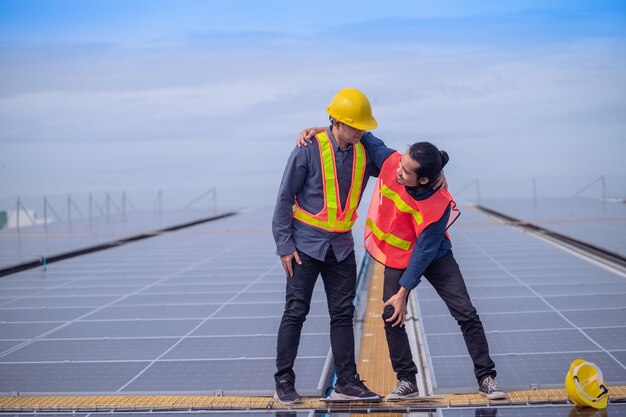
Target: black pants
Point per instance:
(445, 276)
(340, 285)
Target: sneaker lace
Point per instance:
(491, 385)
(287, 387)
(403, 387)
(358, 382)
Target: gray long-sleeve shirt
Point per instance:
(302, 179)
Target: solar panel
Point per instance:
(191, 311)
(500, 322)
(545, 370)
(541, 308)
(597, 222)
(31, 242)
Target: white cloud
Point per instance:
(160, 116)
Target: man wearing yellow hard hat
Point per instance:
(315, 210)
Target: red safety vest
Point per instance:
(395, 219)
(332, 217)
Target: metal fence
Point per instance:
(26, 211)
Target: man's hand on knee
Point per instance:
(398, 302)
(287, 261)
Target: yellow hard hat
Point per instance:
(585, 385)
(351, 107)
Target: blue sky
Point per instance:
(101, 95)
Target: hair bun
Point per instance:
(444, 158)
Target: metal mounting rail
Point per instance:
(594, 252)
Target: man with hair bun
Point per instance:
(406, 230)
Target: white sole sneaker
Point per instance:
(497, 395)
(394, 397)
(335, 396)
(277, 398)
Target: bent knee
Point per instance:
(387, 313)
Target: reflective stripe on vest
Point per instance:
(332, 217)
(387, 237)
(400, 204)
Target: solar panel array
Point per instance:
(196, 310)
(597, 222)
(29, 243)
(541, 308)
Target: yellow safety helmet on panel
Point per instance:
(351, 107)
(585, 385)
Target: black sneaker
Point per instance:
(354, 390)
(405, 390)
(286, 392)
(489, 388)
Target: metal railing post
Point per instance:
(475, 182)
(160, 203)
(45, 214)
(20, 206)
(17, 214)
(107, 206)
(69, 211)
(208, 193)
(604, 189)
(124, 205)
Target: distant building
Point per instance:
(12, 219)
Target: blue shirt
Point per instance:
(432, 243)
(302, 179)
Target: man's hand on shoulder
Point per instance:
(440, 182)
(306, 135)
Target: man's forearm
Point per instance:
(376, 148)
(281, 228)
(292, 181)
(403, 292)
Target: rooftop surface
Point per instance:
(27, 244)
(598, 222)
(196, 312)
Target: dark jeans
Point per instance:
(445, 276)
(340, 285)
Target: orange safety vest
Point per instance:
(395, 219)
(332, 217)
